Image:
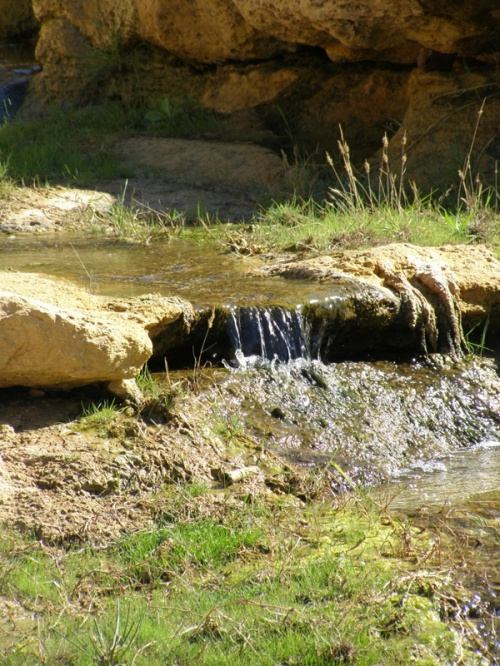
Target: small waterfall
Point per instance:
(273, 333)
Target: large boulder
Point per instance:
(227, 30)
(391, 30)
(53, 334)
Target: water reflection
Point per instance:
(187, 267)
(17, 64)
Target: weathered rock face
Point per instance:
(415, 67)
(53, 334)
(105, 23)
(205, 30)
(379, 29)
(449, 114)
(438, 296)
(222, 30)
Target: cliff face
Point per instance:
(416, 68)
(389, 30)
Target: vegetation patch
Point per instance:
(264, 583)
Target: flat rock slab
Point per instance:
(443, 292)
(192, 176)
(40, 209)
(474, 269)
(53, 334)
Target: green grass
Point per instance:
(263, 584)
(367, 207)
(71, 146)
(99, 417)
(360, 208)
(75, 146)
(308, 227)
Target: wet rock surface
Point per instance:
(64, 478)
(372, 419)
(439, 295)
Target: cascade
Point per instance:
(273, 333)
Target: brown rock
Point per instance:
(105, 23)
(431, 284)
(88, 50)
(449, 114)
(206, 163)
(204, 30)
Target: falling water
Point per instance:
(273, 333)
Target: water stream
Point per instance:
(188, 267)
(426, 430)
(17, 64)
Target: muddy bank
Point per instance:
(68, 477)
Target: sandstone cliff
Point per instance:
(416, 68)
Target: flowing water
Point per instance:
(17, 64)
(427, 430)
(457, 497)
(188, 267)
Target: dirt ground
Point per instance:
(66, 477)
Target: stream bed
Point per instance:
(425, 431)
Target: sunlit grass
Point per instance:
(306, 227)
(64, 145)
(99, 417)
(261, 584)
(75, 146)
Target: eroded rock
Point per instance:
(438, 294)
(414, 69)
(32, 209)
(53, 334)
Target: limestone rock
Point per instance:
(92, 50)
(222, 30)
(105, 23)
(390, 30)
(54, 335)
(50, 209)
(440, 297)
(210, 164)
(204, 30)
(449, 115)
